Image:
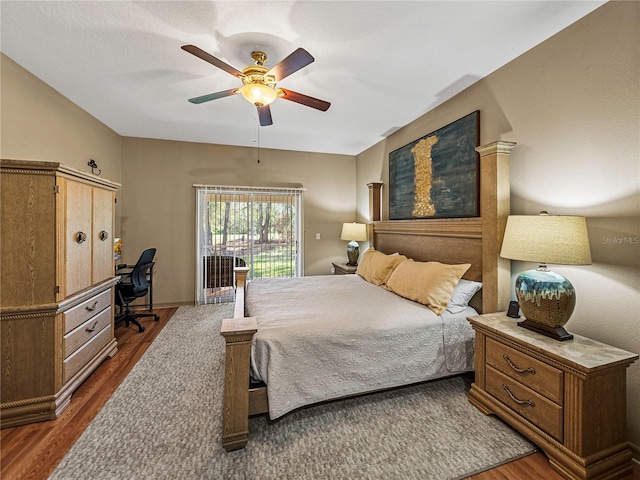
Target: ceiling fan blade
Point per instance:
(294, 62)
(264, 115)
(305, 100)
(213, 96)
(192, 49)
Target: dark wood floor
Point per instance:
(33, 451)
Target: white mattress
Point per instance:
(325, 337)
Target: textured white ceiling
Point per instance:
(380, 64)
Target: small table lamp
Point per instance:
(353, 232)
(546, 299)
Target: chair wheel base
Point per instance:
(130, 317)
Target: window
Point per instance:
(259, 228)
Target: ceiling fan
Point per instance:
(259, 82)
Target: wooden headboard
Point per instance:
(474, 240)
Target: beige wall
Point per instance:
(37, 123)
(573, 106)
(158, 202)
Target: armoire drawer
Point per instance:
(84, 311)
(74, 363)
(85, 332)
(534, 407)
(538, 376)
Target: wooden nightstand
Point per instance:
(569, 398)
(343, 268)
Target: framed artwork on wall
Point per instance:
(437, 175)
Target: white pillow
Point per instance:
(462, 294)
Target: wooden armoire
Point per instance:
(57, 285)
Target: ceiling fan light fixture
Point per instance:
(259, 82)
(259, 94)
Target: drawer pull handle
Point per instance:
(92, 307)
(81, 237)
(519, 370)
(103, 235)
(531, 403)
(93, 327)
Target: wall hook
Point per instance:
(94, 166)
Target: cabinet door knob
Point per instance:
(104, 235)
(81, 237)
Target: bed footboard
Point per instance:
(238, 334)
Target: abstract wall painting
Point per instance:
(436, 176)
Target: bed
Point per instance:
(308, 354)
(324, 357)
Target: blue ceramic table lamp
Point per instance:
(546, 299)
(354, 232)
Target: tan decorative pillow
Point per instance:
(376, 267)
(429, 283)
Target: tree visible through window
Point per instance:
(239, 226)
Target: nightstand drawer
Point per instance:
(531, 405)
(532, 373)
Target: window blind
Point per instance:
(256, 227)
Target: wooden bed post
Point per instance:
(495, 206)
(375, 201)
(375, 208)
(238, 334)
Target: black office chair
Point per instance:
(134, 284)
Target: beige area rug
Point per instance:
(164, 422)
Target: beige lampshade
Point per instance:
(354, 231)
(555, 239)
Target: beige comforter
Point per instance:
(324, 337)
